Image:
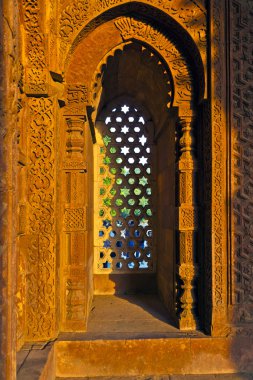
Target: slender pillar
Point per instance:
(74, 202)
(187, 225)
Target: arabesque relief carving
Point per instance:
(41, 254)
(35, 47)
(191, 14)
(82, 18)
(131, 28)
(218, 171)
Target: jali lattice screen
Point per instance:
(124, 186)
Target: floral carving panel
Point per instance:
(41, 239)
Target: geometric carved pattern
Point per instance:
(40, 312)
(187, 218)
(242, 153)
(75, 219)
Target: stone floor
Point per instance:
(117, 318)
(128, 317)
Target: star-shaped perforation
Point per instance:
(143, 223)
(125, 150)
(125, 129)
(125, 109)
(143, 140)
(125, 171)
(143, 160)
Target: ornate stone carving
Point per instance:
(131, 28)
(187, 273)
(40, 313)
(190, 14)
(187, 215)
(75, 219)
(35, 66)
(70, 164)
(75, 139)
(76, 99)
(187, 225)
(75, 298)
(218, 171)
(74, 237)
(73, 16)
(242, 152)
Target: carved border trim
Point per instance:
(219, 211)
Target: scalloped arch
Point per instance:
(150, 56)
(188, 55)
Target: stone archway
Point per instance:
(79, 27)
(184, 97)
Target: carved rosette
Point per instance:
(187, 225)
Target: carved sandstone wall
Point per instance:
(242, 153)
(57, 74)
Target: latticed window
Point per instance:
(124, 187)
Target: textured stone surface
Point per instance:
(242, 186)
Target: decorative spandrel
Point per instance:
(124, 193)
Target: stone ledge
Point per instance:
(141, 357)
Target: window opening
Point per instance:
(124, 191)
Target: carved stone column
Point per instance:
(187, 225)
(74, 200)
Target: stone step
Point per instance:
(136, 358)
